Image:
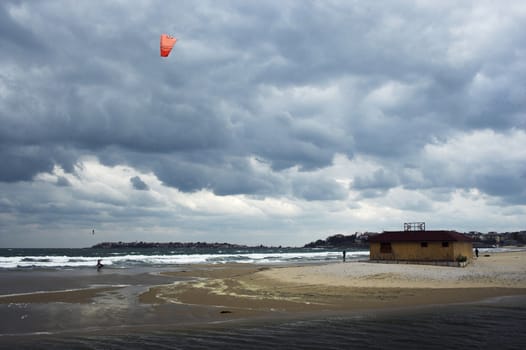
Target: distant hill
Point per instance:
(341, 241)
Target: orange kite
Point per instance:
(167, 43)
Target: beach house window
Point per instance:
(385, 248)
(423, 244)
(445, 244)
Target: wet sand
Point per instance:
(80, 296)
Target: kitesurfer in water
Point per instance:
(99, 265)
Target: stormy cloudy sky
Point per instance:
(272, 122)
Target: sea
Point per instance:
(498, 323)
(125, 258)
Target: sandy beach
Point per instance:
(495, 270)
(340, 286)
(344, 287)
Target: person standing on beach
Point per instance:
(344, 256)
(477, 252)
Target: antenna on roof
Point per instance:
(414, 226)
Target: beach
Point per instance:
(110, 303)
(257, 289)
(346, 286)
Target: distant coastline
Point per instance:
(179, 245)
(338, 241)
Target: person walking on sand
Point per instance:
(344, 255)
(99, 265)
(477, 252)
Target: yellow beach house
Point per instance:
(421, 246)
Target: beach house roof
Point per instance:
(419, 236)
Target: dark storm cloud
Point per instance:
(14, 37)
(21, 163)
(138, 184)
(324, 189)
(379, 180)
(407, 74)
(63, 182)
(285, 142)
(222, 176)
(510, 187)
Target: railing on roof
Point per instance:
(414, 226)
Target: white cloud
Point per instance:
(478, 152)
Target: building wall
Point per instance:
(414, 251)
(463, 248)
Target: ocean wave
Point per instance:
(131, 259)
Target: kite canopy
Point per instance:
(167, 42)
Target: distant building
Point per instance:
(420, 246)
